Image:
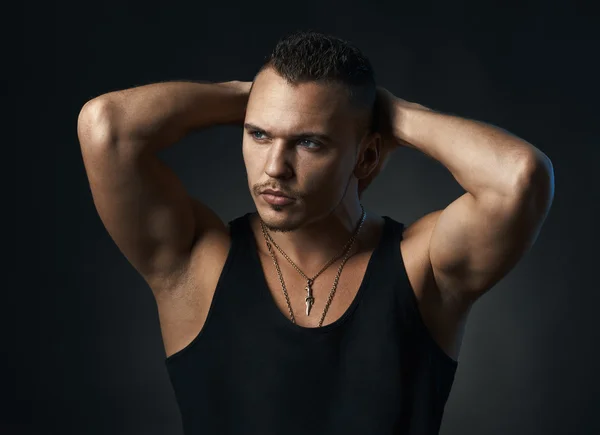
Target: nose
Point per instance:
(277, 164)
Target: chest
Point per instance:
(326, 299)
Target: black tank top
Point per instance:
(376, 370)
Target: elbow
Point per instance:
(95, 123)
(536, 182)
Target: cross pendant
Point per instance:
(309, 298)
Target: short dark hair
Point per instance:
(305, 56)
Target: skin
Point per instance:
(321, 175)
(179, 245)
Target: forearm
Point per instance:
(481, 157)
(157, 115)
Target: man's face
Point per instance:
(300, 139)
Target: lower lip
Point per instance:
(276, 200)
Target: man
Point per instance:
(312, 315)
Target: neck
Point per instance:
(312, 242)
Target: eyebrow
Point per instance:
(304, 134)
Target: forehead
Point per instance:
(283, 107)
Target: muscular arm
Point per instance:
(141, 202)
(479, 237)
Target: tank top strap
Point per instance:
(392, 244)
(239, 228)
(393, 277)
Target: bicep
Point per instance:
(142, 204)
(477, 241)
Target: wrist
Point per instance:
(243, 88)
(405, 114)
(237, 94)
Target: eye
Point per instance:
(258, 135)
(304, 142)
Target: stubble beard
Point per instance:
(287, 229)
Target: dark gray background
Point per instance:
(82, 351)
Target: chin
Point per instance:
(279, 218)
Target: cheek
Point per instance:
(250, 159)
(244, 150)
(327, 180)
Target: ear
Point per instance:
(366, 170)
(369, 156)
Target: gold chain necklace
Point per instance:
(309, 300)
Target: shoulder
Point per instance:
(210, 252)
(215, 242)
(421, 229)
(414, 248)
(443, 315)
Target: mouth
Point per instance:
(276, 199)
(275, 193)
